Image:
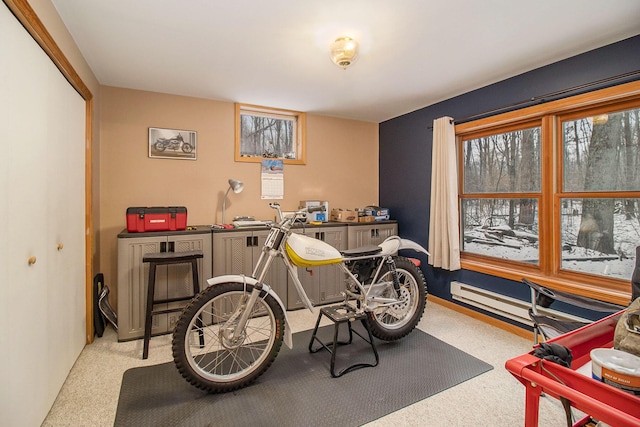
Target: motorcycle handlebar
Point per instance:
(299, 213)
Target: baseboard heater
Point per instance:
(502, 305)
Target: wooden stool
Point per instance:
(166, 258)
(339, 314)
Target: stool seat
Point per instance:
(339, 314)
(168, 258)
(172, 257)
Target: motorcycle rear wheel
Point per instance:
(397, 321)
(223, 364)
(159, 146)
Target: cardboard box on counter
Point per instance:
(366, 218)
(339, 215)
(377, 211)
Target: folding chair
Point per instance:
(548, 326)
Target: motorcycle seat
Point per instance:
(361, 251)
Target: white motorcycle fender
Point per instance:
(393, 244)
(238, 278)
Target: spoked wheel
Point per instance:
(186, 147)
(396, 321)
(159, 146)
(211, 353)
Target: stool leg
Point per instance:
(196, 291)
(148, 317)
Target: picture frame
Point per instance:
(269, 133)
(176, 144)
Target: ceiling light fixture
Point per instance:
(344, 51)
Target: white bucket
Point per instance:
(616, 368)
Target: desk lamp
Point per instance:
(237, 187)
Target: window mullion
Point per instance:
(549, 221)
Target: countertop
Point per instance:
(202, 229)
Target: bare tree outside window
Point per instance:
(599, 226)
(552, 192)
(601, 159)
(263, 132)
(505, 164)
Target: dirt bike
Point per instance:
(231, 332)
(175, 144)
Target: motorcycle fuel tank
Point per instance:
(305, 251)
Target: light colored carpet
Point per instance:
(89, 396)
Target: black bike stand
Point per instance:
(343, 314)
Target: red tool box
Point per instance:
(156, 218)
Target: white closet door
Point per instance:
(42, 305)
(65, 221)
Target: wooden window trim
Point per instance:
(301, 136)
(548, 271)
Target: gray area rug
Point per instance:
(298, 389)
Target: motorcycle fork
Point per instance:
(245, 307)
(234, 332)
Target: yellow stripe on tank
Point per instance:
(301, 262)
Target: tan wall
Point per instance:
(342, 164)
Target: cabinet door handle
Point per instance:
(255, 241)
(163, 246)
(172, 246)
(249, 244)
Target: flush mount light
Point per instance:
(344, 51)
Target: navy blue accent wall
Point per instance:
(406, 142)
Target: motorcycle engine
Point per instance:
(364, 269)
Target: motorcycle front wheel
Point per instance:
(187, 148)
(209, 351)
(396, 321)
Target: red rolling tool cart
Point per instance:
(601, 401)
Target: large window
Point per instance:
(501, 173)
(552, 192)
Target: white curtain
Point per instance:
(444, 240)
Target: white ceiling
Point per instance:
(413, 53)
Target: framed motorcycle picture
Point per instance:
(172, 144)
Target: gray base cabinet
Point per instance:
(171, 281)
(370, 233)
(226, 252)
(236, 252)
(323, 285)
